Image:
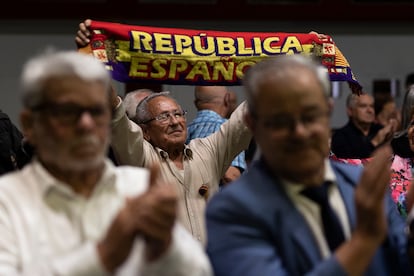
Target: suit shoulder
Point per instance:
(349, 173)
(253, 192)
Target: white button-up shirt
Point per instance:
(205, 162)
(47, 229)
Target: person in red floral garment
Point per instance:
(402, 172)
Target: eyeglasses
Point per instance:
(165, 117)
(285, 124)
(70, 113)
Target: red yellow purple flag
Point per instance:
(203, 57)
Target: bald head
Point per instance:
(215, 98)
(208, 94)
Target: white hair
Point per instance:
(276, 65)
(52, 63)
(132, 99)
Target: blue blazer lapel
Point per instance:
(305, 244)
(346, 184)
(304, 252)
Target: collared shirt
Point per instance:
(205, 162)
(47, 229)
(206, 123)
(350, 142)
(310, 210)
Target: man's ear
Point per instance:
(145, 132)
(226, 100)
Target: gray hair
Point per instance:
(407, 108)
(351, 100)
(53, 63)
(142, 114)
(133, 98)
(276, 65)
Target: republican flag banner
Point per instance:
(203, 57)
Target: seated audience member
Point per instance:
(399, 143)
(294, 212)
(71, 211)
(402, 171)
(361, 135)
(14, 151)
(386, 110)
(214, 104)
(194, 169)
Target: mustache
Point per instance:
(299, 144)
(175, 128)
(89, 140)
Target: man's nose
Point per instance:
(85, 117)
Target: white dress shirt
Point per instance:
(47, 229)
(311, 210)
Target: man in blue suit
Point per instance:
(263, 224)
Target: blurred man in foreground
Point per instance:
(70, 211)
(294, 212)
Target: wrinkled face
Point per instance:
(71, 129)
(169, 133)
(292, 124)
(363, 110)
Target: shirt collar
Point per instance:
(208, 112)
(48, 183)
(295, 188)
(188, 153)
